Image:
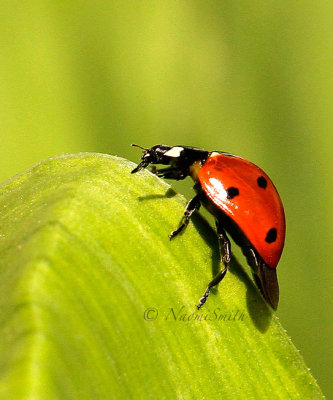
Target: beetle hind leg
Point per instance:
(266, 280)
(264, 277)
(225, 253)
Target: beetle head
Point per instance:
(154, 155)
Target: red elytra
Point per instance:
(255, 209)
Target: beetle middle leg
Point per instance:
(193, 205)
(225, 253)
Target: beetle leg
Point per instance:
(225, 252)
(224, 245)
(169, 173)
(193, 205)
(264, 277)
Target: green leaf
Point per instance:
(97, 303)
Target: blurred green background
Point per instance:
(251, 78)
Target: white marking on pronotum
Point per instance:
(174, 151)
(214, 153)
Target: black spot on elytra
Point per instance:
(271, 235)
(232, 192)
(262, 182)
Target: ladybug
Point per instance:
(243, 200)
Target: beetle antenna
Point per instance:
(140, 147)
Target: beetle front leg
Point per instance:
(193, 205)
(169, 173)
(225, 252)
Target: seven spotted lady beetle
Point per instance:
(243, 200)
